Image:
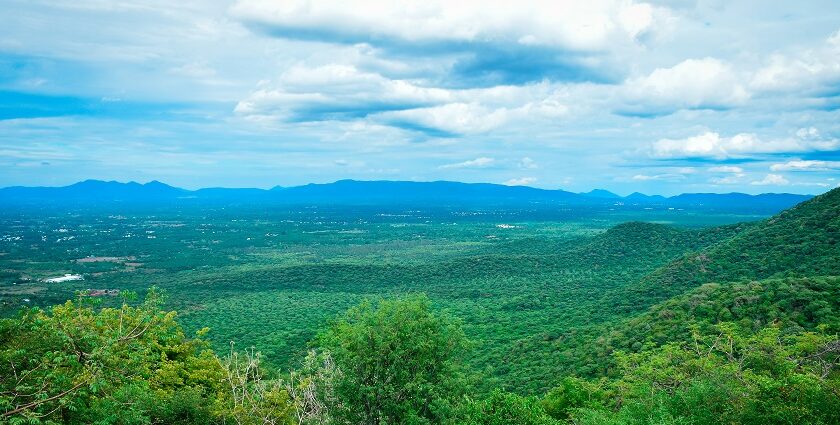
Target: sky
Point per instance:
(656, 97)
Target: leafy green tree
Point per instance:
(78, 364)
(573, 393)
(503, 408)
(399, 363)
(763, 378)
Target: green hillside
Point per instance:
(780, 272)
(791, 304)
(799, 242)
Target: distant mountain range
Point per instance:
(353, 192)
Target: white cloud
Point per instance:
(316, 93)
(809, 133)
(480, 162)
(344, 92)
(522, 181)
(456, 118)
(712, 145)
(807, 70)
(771, 180)
(726, 169)
(485, 113)
(566, 24)
(708, 144)
(806, 165)
(691, 84)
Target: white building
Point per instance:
(66, 278)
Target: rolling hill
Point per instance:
(783, 271)
(800, 242)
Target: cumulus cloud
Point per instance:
(344, 92)
(481, 42)
(461, 118)
(806, 165)
(713, 145)
(522, 181)
(335, 91)
(814, 70)
(480, 162)
(565, 24)
(771, 180)
(452, 118)
(706, 83)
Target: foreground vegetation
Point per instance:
(641, 323)
(392, 362)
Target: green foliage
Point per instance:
(793, 305)
(503, 408)
(530, 292)
(79, 364)
(729, 378)
(571, 394)
(400, 363)
(800, 242)
(253, 398)
(660, 324)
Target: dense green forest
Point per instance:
(386, 317)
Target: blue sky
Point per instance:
(658, 97)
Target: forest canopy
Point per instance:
(391, 362)
(640, 324)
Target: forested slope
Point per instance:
(780, 272)
(799, 242)
(792, 304)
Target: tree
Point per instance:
(503, 408)
(573, 393)
(398, 362)
(253, 398)
(312, 389)
(78, 364)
